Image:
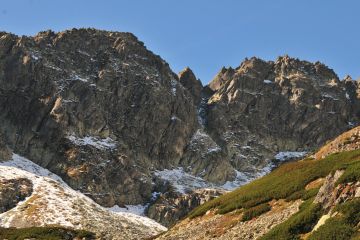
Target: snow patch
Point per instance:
(243, 178)
(182, 182)
(105, 143)
(351, 124)
(174, 118)
(201, 140)
(246, 147)
(240, 179)
(267, 81)
(214, 149)
(83, 53)
(347, 96)
(135, 209)
(173, 86)
(25, 164)
(35, 56)
(76, 77)
(52, 67)
(283, 156)
(325, 95)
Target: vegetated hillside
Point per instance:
(44, 233)
(310, 198)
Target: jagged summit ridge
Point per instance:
(282, 67)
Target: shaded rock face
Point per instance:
(13, 191)
(95, 107)
(261, 108)
(5, 152)
(194, 86)
(171, 207)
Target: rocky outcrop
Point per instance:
(171, 207)
(326, 196)
(194, 86)
(221, 78)
(261, 108)
(347, 141)
(13, 191)
(331, 194)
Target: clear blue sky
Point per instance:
(207, 34)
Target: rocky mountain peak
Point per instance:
(194, 86)
(83, 100)
(221, 77)
(287, 67)
(348, 78)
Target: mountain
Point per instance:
(314, 198)
(116, 124)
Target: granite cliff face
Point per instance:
(95, 107)
(261, 108)
(112, 119)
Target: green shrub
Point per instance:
(343, 226)
(310, 193)
(301, 222)
(255, 211)
(44, 233)
(295, 195)
(255, 201)
(350, 211)
(352, 173)
(333, 229)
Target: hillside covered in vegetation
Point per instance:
(324, 193)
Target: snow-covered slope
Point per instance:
(54, 202)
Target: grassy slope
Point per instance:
(288, 180)
(45, 233)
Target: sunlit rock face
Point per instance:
(262, 108)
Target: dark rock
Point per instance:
(193, 85)
(60, 91)
(172, 207)
(13, 191)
